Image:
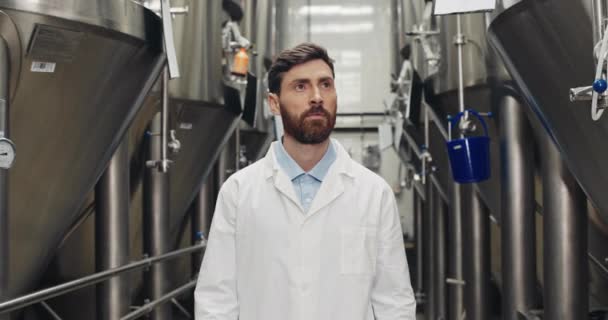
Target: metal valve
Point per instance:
(174, 145)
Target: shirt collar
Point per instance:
(293, 170)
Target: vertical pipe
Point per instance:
(112, 234)
(600, 14)
(164, 131)
(201, 218)
(4, 219)
(156, 222)
(427, 226)
(476, 236)
(439, 253)
(455, 290)
(566, 290)
(460, 44)
(517, 221)
(237, 149)
(419, 233)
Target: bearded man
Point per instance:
(305, 233)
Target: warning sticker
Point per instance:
(47, 67)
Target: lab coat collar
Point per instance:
(331, 187)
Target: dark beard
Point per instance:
(308, 131)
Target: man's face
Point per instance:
(307, 102)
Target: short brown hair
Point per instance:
(290, 58)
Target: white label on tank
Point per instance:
(46, 67)
(185, 126)
(463, 6)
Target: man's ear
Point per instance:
(273, 103)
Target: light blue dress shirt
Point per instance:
(305, 184)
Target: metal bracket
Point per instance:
(50, 310)
(581, 93)
(456, 282)
(174, 145)
(168, 39)
(181, 308)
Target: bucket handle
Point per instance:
(454, 121)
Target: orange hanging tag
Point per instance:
(241, 63)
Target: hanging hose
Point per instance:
(601, 60)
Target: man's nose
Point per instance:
(316, 97)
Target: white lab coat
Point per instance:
(267, 259)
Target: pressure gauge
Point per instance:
(7, 153)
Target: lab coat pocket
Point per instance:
(358, 250)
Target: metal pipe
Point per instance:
(112, 234)
(181, 308)
(50, 310)
(157, 221)
(455, 290)
(4, 218)
(164, 130)
(201, 218)
(426, 156)
(598, 264)
(427, 232)
(237, 149)
(160, 302)
(566, 283)
(476, 236)
(460, 44)
(600, 16)
(439, 253)
(517, 222)
(48, 293)
(419, 233)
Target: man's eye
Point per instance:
(299, 87)
(326, 85)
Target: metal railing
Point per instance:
(148, 307)
(42, 295)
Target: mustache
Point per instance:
(315, 110)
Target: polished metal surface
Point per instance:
(202, 128)
(48, 293)
(157, 223)
(476, 240)
(405, 15)
(124, 16)
(517, 215)
(566, 269)
(209, 130)
(201, 217)
(455, 251)
(428, 222)
(112, 234)
(4, 214)
(259, 26)
(439, 256)
(475, 73)
(419, 233)
(198, 41)
(548, 49)
(600, 14)
(67, 123)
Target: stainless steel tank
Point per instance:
(203, 118)
(79, 73)
(547, 48)
(259, 26)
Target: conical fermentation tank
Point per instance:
(204, 111)
(79, 71)
(548, 49)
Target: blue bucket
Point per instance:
(470, 156)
